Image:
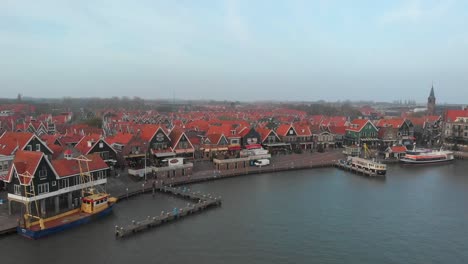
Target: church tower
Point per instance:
(431, 100)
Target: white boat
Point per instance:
(367, 165)
(427, 156)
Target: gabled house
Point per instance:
(304, 137)
(56, 185)
(37, 127)
(404, 131)
(271, 141)
(455, 128)
(159, 141)
(214, 145)
(250, 137)
(362, 131)
(10, 142)
(395, 152)
(181, 144)
(323, 137)
(287, 133)
(96, 144)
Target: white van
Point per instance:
(262, 162)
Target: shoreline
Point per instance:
(124, 187)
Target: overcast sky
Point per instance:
(235, 50)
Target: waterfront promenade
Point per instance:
(125, 186)
(205, 171)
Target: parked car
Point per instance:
(262, 162)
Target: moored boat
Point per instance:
(367, 165)
(427, 156)
(92, 207)
(93, 204)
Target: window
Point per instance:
(43, 188)
(17, 189)
(43, 173)
(291, 132)
(77, 180)
(65, 183)
(159, 146)
(104, 155)
(183, 145)
(271, 139)
(38, 147)
(54, 183)
(100, 175)
(29, 148)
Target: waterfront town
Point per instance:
(127, 149)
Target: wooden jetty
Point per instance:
(202, 202)
(356, 170)
(460, 155)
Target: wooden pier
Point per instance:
(356, 170)
(460, 155)
(201, 202)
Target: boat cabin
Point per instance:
(94, 203)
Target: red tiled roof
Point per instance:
(147, 132)
(398, 149)
(70, 167)
(452, 115)
(10, 140)
(200, 125)
(283, 129)
(244, 131)
(49, 139)
(338, 130)
(120, 138)
(394, 122)
(264, 132)
(84, 147)
(360, 123)
(70, 139)
(214, 138)
(175, 136)
(302, 130)
(56, 149)
(26, 162)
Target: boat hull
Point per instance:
(408, 161)
(33, 234)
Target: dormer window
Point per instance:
(233, 132)
(43, 173)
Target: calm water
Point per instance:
(416, 215)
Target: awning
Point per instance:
(164, 154)
(134, 156)
(216, 149)
(253, 146)
(184, 151)
(370, 139)
(234, 148)
(277, 144)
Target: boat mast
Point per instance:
(28, 196)
(86, 177)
